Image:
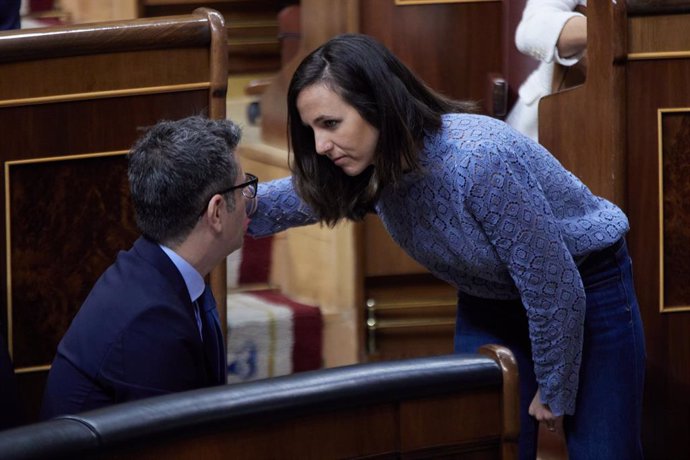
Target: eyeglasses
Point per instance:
(249, 188)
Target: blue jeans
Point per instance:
(608, 413)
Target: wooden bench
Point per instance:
(454, 406)
(72, 102)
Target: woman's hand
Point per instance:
(543, 414)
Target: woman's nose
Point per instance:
(322, 143)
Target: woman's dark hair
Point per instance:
(388, 96)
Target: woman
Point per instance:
(552, 32)
(539, 262)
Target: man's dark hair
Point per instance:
(175, 168)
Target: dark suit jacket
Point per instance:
(135, 336)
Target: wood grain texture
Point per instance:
(655, 85)
(675, 190)
(661, 33)
(462, 42)
(154, 33)
(101, 72)
(252, 30)
(62, 215)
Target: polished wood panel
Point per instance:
(407, 316)
(44, 223)
(674, 164)
(453, 430)
(104, 72)
(462, 41)
(252, 29)
(658, 34)
(81, 11)
(127, 116)
(654, 85)
(154, 33)
(73, 99)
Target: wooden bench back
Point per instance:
(73, 99)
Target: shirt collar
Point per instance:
(192, 278)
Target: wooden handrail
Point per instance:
(140, 34)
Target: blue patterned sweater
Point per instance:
(496, 215)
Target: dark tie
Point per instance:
(214, 347)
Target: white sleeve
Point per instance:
(541, 25)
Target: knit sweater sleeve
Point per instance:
(516, 217)
(279, 208)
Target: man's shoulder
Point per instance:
(137, 265)
(134, 279)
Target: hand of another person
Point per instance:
(542, 413)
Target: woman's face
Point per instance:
(340, 133)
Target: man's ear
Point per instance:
(213, 212)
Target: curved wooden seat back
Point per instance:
(454, 406)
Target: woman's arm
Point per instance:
(544, 23)
(279, 208)
(515, 215)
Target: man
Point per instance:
(149, 325)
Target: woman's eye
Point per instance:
(330, 123)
